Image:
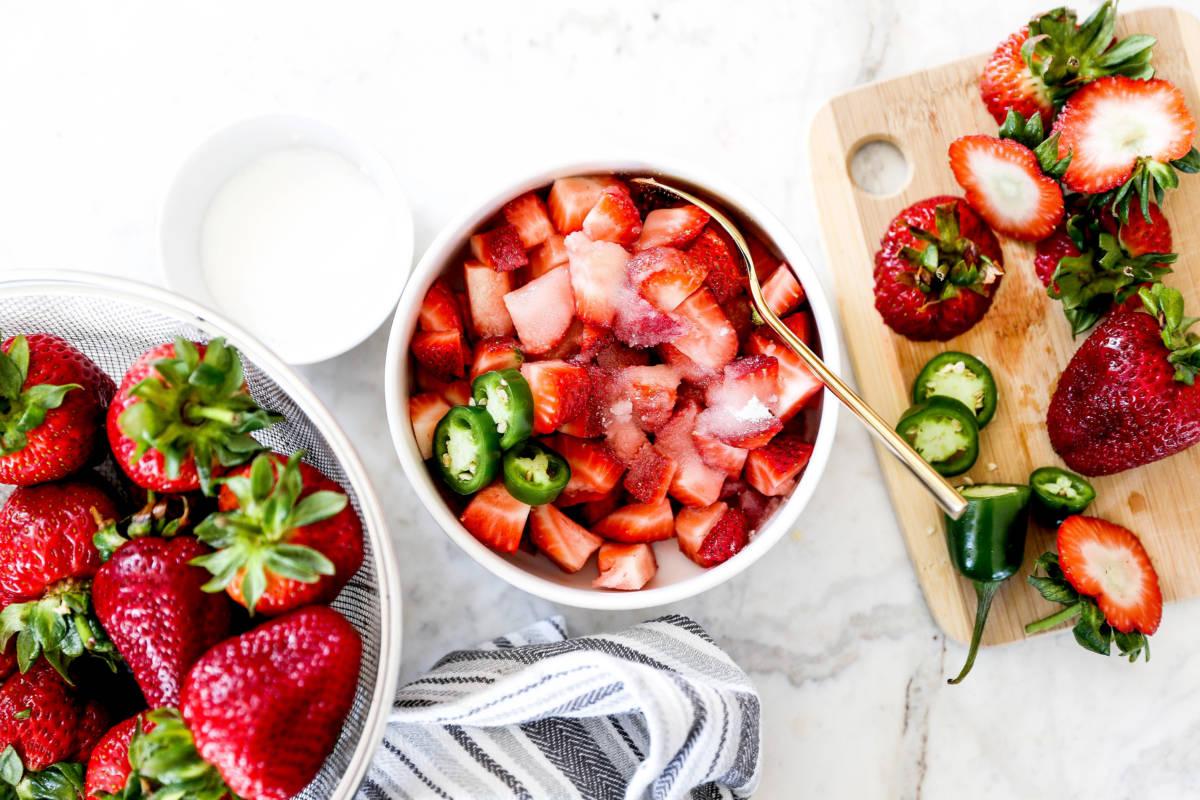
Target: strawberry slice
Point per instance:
(782, 291)
(638, 522)
(1107, 562)
(572, 198)
(439, 309)
(722, 265)
(561, 539)
(1005, 184)
(442, 352)
(614, 218)
(665, 276)
(628, 567)
(651, 392)
(671, 227)
(496, 518)
(650, 475)
(719, 455)
(695, 483)
(548, 255)
(528, 214)
(709, 339)
(426, 411)
(485, 297)
(560, 392)
(496, 353)
(1115, 125)
(770, 469)
(542, 310)
(500, 249)
(797, 385)
(594, 470)
(597, 274)
(692, 525)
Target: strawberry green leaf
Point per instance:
(165, 764)
(1132, 645)
(59, 627)
(1092, 631)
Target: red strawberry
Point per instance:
(93, 722)
(1050, 251)
(38, 717)
(709, 339)
(457, 393)
(797, 384)
(690, 371)
(650, 475)
(782, 291)
(627, 567)
(665, 276)
(638, 522)
(614, 218)
(936, 301)
(711, 535)
(624, 436)
(572, 198)
(724, 275)
(594, 470)
(741, 407)
(651, 393)
(640, 324)
(563, 541)
(693, 524)
(754, 505)
(1007, 84)
(439, 309)
(1140, 236)
(182, 414)
(770, 469)
(597, 273)
(54, 398)
(1107, 562)
(501, 248)
(496, 353)
(560, 393)
(548, 255)
(719, 455)
(695, 483)
(496, 518)
(1116, 127)
(596, 510)
(486, 289)
(1005, 184)
(529, 216)
(442, 352)
(150, 600)
(284, 536)
(542, 310)
(765, 261)
(108, 766)
(426, 411)
(671, 227)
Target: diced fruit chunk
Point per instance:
(500, 249)
(572, 198)
(770, 469)
(741, 407)
(542, 310)
(439, 310)
(496, 353)
(529, 216)
(782, 291)
(722, 264)
(709, 339)
(595, 510)
(628, 567)
(638, 522)
(693, 524)
(547, 255)
(624, 437)
(496, 518)
(560, 393)
(597, 271)
(719, 455)
(457, 393)
(442, 352)
(614, 218)
(695, 483)
(649, 475)
(639, 324)
(665, 276)
(671, 227)
(651, 393)
(426, 410)
(797, 385)
(711, 535)
(594, 470)
(485, 296)
(564, 541)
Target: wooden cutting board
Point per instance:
(1024, 337)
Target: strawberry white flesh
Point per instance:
(485, 296)
(1005, 184)
(627, 567)
(1107, 562)
(426, 411)
(542, 310)
(597, 273)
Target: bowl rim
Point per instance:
(449, 242)
(21, 281)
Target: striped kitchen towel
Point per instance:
(657, 711)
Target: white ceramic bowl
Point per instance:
(226, 153)
(677, 577)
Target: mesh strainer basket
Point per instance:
(115, 321)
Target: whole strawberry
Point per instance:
(108, 767)
(936, 270)
(183, 415)
(1128, 397)
(39, 715)
(47, 562)
(285, 536)
(52, 401)
(151, 603)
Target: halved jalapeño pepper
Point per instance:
(466, 448)
(961, 377)
(506, 396)
(1058, 494)
(943, 432)
(987, 545)
(535, 474)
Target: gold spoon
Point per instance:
(945, 494)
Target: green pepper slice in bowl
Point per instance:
(961, 377)
(1058, 494)
(535, 474)
(466, 449)
(943, 432)
(508, 399)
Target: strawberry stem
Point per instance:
(1054, 620)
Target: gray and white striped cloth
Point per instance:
(657, 711)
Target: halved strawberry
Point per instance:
(560, 392)
(594, 470)
(797, 384)
(1107, 562)
(651, 392)
(1005, 184)
(695, 483)
(439, 309)
(693, 524)
(485, 296)
(638, 522)
(770, 469)
(709, 339)
(665, 276)
(721, 263)
(547, 255)
(671, 227)
(426, 411)
(650, 475)
(561, 539)
(628, 567)
(496, 518)
(782, 291)
(443, 352)
(614, 218)
(542, 310)
(495, 353)
(529, 216)
(718, 454)
(597, 274)
(572, 198)
(1116, 125)
(500, 248)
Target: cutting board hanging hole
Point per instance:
(879, 167)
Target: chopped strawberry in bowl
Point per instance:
(582, 397)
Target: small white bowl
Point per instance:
(678, 578)
(224, 155)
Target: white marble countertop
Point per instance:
(102, 101)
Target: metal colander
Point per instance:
(113, 322)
